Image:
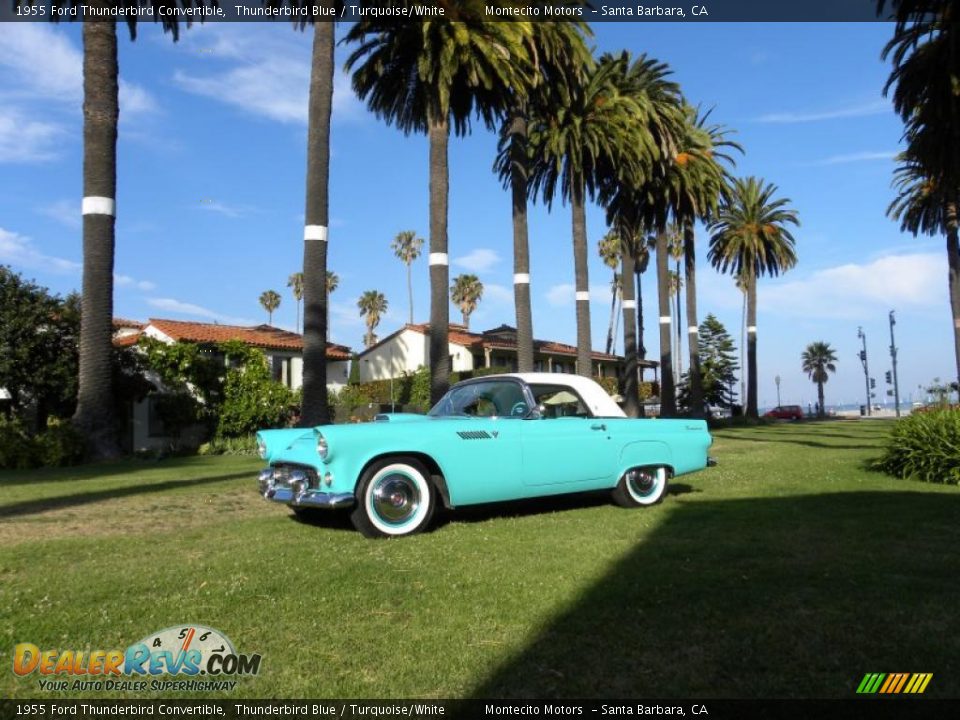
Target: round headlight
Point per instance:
(322, 449)
(261, 448)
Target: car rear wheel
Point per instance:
(394, 498)
(641, 486)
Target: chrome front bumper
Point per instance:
(294, 491)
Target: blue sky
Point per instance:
(211, 190)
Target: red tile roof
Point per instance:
(461, 336)
(262, 336)
(119, 323)
(128, 340)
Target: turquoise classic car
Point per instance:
(490, 439)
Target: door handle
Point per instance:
(598, 426)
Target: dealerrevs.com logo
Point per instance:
(200, 657)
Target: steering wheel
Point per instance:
(519, 410)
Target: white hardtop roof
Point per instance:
(600, 404)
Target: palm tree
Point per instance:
(741, 282)
(700, 178)
(925, 51)
(675, 248)
(609, 248)
(406, 246)
(599, 131)
(637, 194)
(426, 77)
(316, 314)
(333, 281)
(750, 238)
(295, 283)
(559, 55)
(466, 292)
(818, 362)
(94, 415)
(372, 306)
(269, 301)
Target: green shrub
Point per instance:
(251, 399)
(243, 445)
(925, 446)
(59, 445)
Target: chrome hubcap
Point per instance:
(642, 482)
(396, 498)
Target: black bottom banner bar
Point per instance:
(873, 708)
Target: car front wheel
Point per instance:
(641, 486)
(394, 498)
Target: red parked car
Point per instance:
(785, 412)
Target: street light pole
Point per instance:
(893, 360)
(777, 381)
(866, 372)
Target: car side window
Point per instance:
(559, 401)
(485, 399)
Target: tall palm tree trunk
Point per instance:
(579, 219)
(315, 410)
(693, 328)
(743, 350)
(953, 265)
(752, 346)
(521, 243)
(439, 269)
(410, 288)
(820, 412)
(631, 397)
(298, 315)
(613, 313)
(679, 328)
(641, 348)
(94, 414)
(668, 402)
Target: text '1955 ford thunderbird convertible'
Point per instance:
(490, 439)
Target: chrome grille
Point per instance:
(282, 474)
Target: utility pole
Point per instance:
(866, 371)
(893, 359)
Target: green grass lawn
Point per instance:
(788, 571)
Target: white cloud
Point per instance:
(497, 293)
(49, 66)
(854, 290)
(875, 108)
(564, 295)
(479, 260)
(263, 73)
(230, 211)
(20, 251)
(127, 281)
(66, 212)
(184, 308)
(856, 157)
(25, 140)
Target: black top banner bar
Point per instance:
(494, 10)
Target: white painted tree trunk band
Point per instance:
(693, 329)
(583, 295)
(438, 259)
(665, 319)
(315, 232)
(95, 205)
(629, 304)
(521, 278)
(752, 329)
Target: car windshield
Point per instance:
(491, 398)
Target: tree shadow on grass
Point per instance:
(41, 505)
(188, 463)
(760, 598)
(806, 443)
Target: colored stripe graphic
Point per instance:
(894, 683)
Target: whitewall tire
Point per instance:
(395, 497)
(641, 486)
